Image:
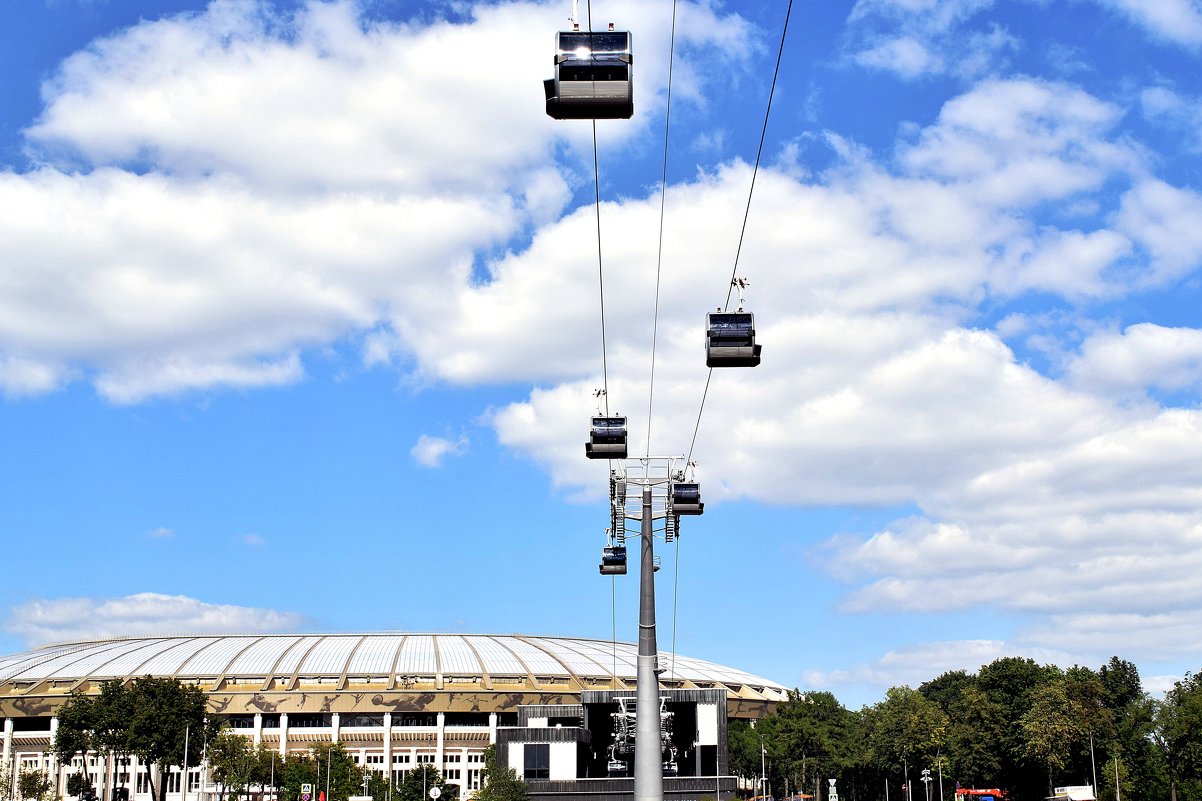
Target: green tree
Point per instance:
(1051, 727)
(743, 749)
(809, 738)
(501, 782)
(80, 786)
(416, 784)
(975, 739)
(163, 714)
(1178, 733)
(378, 785)
(908, 729)
(94, 724)
(325, 766)
(1010, 682)
(237, 765)
(34, 785)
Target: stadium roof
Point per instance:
(340, 661)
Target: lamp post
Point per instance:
(763, 768)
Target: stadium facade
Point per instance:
(394, 700)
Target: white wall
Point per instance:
(563, 760)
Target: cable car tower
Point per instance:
(663, 495)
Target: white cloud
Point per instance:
(59, 619)
(912, 665)
(161, 533)
(21, 376)
(1177, 21)
(1141, 357)
(917, 38)
(1163, 220)
(432, 451)
(253, 540)
(1021, 141)
(219, 191)
(906, 56)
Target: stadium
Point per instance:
(394, 700)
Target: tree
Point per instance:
(94, 724)
(416, 784)
(163, 714)
(908, 728)
(326, 765)
(743, 749)
(501, 782)
(975, 729)
(237, 764)
(1178, 731)
(34, 785)
(80, 786)
(1050, 728)
(1010, 682)
(809, 737)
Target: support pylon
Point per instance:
(648, 749)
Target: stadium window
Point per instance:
(537, 761)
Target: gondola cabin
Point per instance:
(613, 560)
(607, 438)
(686, 499)
(593, 79)
(730, 340)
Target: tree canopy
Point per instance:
(1015, 724)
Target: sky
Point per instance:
(301, 323)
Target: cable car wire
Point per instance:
(746, 212)
(600, 270)
(663, 196)
(758, 153)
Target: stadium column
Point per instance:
(388, 746)
(438, 750)
(335, 722)
(258, 738)
(55, 769)
(492, 728)
(284, 734)
(8, 741)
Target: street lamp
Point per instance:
(763, 768)
(926, 781)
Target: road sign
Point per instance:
(435, 793)
(306, 792)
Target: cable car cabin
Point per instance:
(593, 77)
(730, 340)
(686, 499)
(607, 439)
(613, 560)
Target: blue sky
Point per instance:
(299, 327)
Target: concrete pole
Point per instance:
(648, 755)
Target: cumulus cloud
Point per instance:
(1176, 21)
(917, 38)
(1141, 357)
(167, 246)
(432, 451)
(218, 191)
(922, 662)
(60, 619)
